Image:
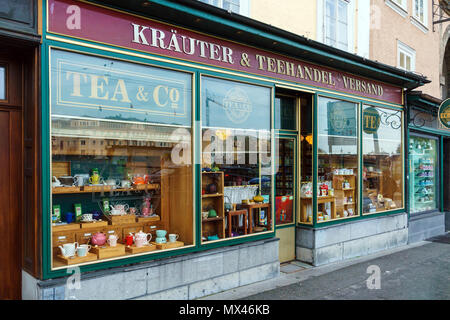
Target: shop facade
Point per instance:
(186, 151)
(428, 161)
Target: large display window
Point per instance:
(338, 160)
(382, 159)
(236, 159)
(121, 159)
(423, 166)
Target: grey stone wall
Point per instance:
(424, 226)
(350, 240)
(187, 276)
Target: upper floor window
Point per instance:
(236, 6)
(336, 23)
(420, 10)
(400, 3)
(406, 57)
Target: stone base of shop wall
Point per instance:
(188, 276)
(447, 221)
(424, 226)
(352, 239)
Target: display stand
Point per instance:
(107, 251)
(216, 225)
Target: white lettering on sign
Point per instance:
(173, 42)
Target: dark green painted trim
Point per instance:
(441, 173)
(430, 131)
(361, 160)
(315, 158)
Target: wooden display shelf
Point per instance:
(94, 224)
(147, 248)
(76, 259)
(168, 245)
(66, 227)
(211, 195)
(107, 251)
(147, 219)
(213, 219)
(120, 220)
(102, 188)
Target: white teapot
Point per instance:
(141, 238)
(69, 249)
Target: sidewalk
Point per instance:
(417, 271)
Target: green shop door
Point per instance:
(285, 195)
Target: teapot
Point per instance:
(141, 238)
(69, 249)
(98, 239)
(258, 198)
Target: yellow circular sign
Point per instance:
(444, 113)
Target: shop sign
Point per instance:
(371, 120)
(98, 24)
(94, 87)
(444, 113)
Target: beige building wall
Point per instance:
(296, 16)
(388, 26)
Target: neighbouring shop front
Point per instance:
(178, 161)
(428, 167)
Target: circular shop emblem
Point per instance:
(371, 120)
(237, 105)
(444, 113)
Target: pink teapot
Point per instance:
(98, 239)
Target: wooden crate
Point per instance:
(84, 237)
(76, 259)
(147, 219)
(133, 249)
(66, 227)
(106, 251)
(60, 238)
(94, 224)
(168, 245)
(121, 220)
(110, 230)
(60, 168)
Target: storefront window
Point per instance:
(382, 159)
(306, 160)
(122, 181)
(338, 159)
(285, 180)
(423, 168)
(2, 83)
(236, 159)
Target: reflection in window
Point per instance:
(236, 159)
(306, 160)
(338, 159)
(382, 159)
(285, 180)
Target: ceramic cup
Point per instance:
(82, 251)
(112, 240)
(173, 237)
(87, 217)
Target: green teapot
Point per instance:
(212, 213)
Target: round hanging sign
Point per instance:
(444, 113)
(371, 120)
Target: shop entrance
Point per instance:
(290, 106)
(10, 177)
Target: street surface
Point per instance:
(421, 271)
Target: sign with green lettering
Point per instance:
(371, 120)
(444, 113)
